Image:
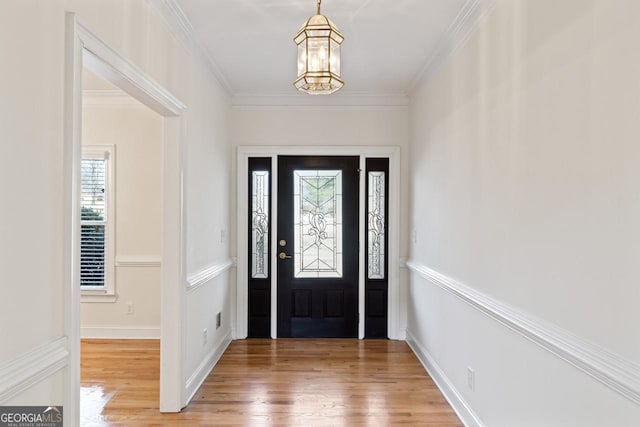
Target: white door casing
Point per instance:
(390, 152)
(85, 48)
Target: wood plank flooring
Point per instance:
(267, 383)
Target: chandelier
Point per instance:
(318, 43)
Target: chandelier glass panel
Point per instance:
(318, 43)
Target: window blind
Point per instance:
(93, 222)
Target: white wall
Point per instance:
(136, 133)
(325, 126)
(524, 187)
(32, 170)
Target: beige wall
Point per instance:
(525, 168)
(136, 133)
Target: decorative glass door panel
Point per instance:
(376, 216)
(317, 223)
(259, 272)
(260, 224)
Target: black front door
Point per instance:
(317, 246)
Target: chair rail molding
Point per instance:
(138, 261)
(21, 373)
(208, 273)
(612, 370)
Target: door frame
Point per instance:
(242, 297)
(83, 47)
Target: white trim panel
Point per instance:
(120, 332)
(138, 261)
(459, 405)
(196, 379)
(617, 373)
(20, 374)
(211, 272)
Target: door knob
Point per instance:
(282, 255)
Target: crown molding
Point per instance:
(338, 100)
(182, 30)
(462, 27)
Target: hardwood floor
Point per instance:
(267, 382)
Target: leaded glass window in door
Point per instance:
(376, 224)
(317, 223)
(260, 225)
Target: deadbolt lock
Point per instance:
(283, 242)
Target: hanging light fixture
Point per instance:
(318, 43)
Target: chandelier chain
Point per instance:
(319, 1)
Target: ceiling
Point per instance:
(387, 42)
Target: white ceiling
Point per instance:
(387, 42)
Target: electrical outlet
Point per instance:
(129, 307)
(218, 320)
(204, 336)
(414, 236)
(471, 378)
(223, 236)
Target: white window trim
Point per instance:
(108, 292)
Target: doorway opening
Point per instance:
(85, 49)
(120, 237)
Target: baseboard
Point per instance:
(455, 399)
(25, 371)
(202, 371)
(120, 332)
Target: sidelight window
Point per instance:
(376, 224)
(260, 225)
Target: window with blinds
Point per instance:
(93, 218)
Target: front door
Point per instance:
(317, 246)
